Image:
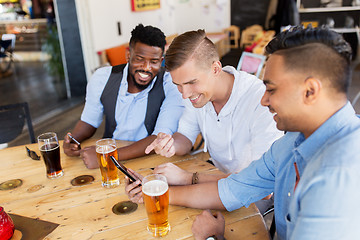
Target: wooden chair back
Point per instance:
(12, 121)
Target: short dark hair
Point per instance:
(192, 44)
(148, 35)
(317, 52)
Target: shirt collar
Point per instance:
(308, 147)
(231, 103)
(124, 83)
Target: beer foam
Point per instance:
(47, 147)
(105, 149)
(155, 188)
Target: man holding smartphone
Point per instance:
(222, 104)
(138, 100)
(314, 168)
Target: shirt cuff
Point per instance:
(163, 130)
(226, 196)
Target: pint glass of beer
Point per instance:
(50, 151)
(104, 149)
(156, 198)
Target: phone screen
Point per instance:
(74, 140)
(123, 169)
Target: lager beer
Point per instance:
(109, 173)
(156, 198)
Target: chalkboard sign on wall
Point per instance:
(245, 13)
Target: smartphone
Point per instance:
(74, 140)
(123, 169)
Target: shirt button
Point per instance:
(289, 194)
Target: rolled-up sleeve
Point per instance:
(93, 109)
(248, 186)
(171, 108)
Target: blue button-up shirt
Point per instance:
(131, 108)
(325, 202)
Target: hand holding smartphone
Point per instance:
(124, 170)
(74, 140)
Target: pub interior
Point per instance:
(57, 46)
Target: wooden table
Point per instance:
(85, 212)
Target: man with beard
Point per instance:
(138, 100)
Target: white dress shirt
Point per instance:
(241, 132)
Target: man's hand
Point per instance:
(174, 175)
(88, 155)
(134, 190)
(206, 225)
(70, 149)
(163, 145)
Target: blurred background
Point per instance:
(49, 49)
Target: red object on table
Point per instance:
(6, 225)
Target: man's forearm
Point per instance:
(204, 177)
(182, 144)
(83, 131)
(137, 149)
(203, 196)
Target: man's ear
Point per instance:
(312, 90)
(127, 54)
(161, 60)
(216, 67)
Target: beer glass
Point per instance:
(50, 151)
(104, 149)
(156, 198)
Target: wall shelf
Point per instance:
(344, 18)
(310, 11)
(329, 9)
(344, 30)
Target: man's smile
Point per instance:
(194, 99)
(144, 75)
(272, 111)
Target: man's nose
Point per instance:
(147, 66)
(265, 99)
(184, 91)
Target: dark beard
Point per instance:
(139, 86)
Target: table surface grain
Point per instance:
(85, 212)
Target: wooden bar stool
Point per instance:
(234, 35)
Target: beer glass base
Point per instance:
(159, 231)
(55, 174)
(111, 184)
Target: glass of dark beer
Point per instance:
(50, 151)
